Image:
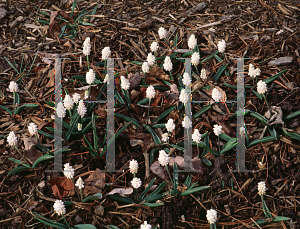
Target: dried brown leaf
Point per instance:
(61, 186)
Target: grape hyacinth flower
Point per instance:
(145, 69)
(12, 139)
(183, 96)
(164, 160)
(80, 185)
(262, 188)
(106, 53)
(32, 128)
(218, 131)
(165, 137)
(162, 33)
(195, 60)
(212, 217)
(81, 109)
(170, 125)
(168, 66)
(151, 59)
(76, 97)
(186, 123)
(87, 49)
(133, 166)
(203, 74)
(60, 110)
(13, 87)
(145, 225)
(154, 47)
(136, 183)
(68, 102)
(216, 95)
(222, 46)
(150, 94)
(68, 171)
(79, 127)
(262, 88)
(90, 77)
(60, 209)
(186, 79)
(125, 84)
(192, 42)
(196, 136)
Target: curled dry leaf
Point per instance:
(134, 79)
(158, 73)
(198, 85)
(94, 183)
(174, 88)
(158, 170)
(61, 186)
(121, 191)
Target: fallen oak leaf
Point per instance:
(61, 186)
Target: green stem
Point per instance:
(211, 226)
(90, 88)
(14, 101)
(75, 188)
(104, 69)
(65, 220)
(19, 151)
(198, 150)
(267, 105)
(169, 174)
(88, 62)
(253, 82)
(197, 70)
(145, 79)
(148, 111)
(80, 190)
(171, 77)
(40, 142)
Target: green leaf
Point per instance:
(87, 127)
(206, 161)
(229, 145)
(137, 62)
(202, 111)
(127, 98)
(16, 170)
(258, 95)
(121, 199)
(113, 227)
(175, 179)
(190, 191)
(45, 134)
(273, 132)
(143, 101)
(62, 31)
(128, 119)
(235, 86)
(189, 53)
(158, 189)
(290, 116)
(11, 65)
(48, 221)
(203, 145)
(141, 197)
(154, 135)
(225, 137)
(272, 78)
(261, 140)
(188, 181)
(42, 158)
(292, 135)
(88, 199)
(152, 205)
(219, 59)
(175, 41)
(177, 147)
(166, 113)
(30, 105)
(281, 218)
(3, 107)
(19, 162)
(260, 117)
(93, 152)
(219, 72)
(95, 133)
(159, 125)
(73, 124)
(84, 226)
(210, 56)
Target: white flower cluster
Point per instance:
(170, 125)
(86, 94)
(145, 225)
(203, 74)
(253, 72)
(192, 42)
(60, 110)
(145, 67)
(195, 58)
(125, 84)
(162, 33)
(81, 109)
(13, 86)
(262, 87)
(87, 46)
(212, 216)
(168, 66)
(222, 46)
(76, 97)
(80, 183)
(261, 188)
(242, 131)
(79, 127)
(196, 136)
(154, 47)
(151, 59)
(165, 137)
(136, 182)
(186, 79)
(217, 130)
(68, 171)
(90, 76)
(183, 96)
(68, 102)
(150, 92)
(32, 128)
(106, 79)
(186, 123)
(59, 207)
(163, 158)
(216, 94)
(12, 139)
(106, 53)
(133, 166)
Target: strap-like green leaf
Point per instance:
(42, 158)
(154, 135)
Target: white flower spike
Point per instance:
(186, 79)
(145, 67)
(262, 188)
(212, 216)
(68, 102)
(87, 46)
(79, 127)
(90, 76)
(150, 92)
(165, 137)
(60, 110)
(145, 225)
(133, 166)
(222, 46)
(32, 128)
(154, 47)
(163, 158)
(69, 171)
(136, 183)
(125, 84)
(13, 86)
(81, 110)
(106, 53)
(162, 33)
(195, 58)
(106, 79)
(186, 123)
(196, 136)
(12, 139)
(151, 59)
(203, 74)
(168, 66)
(59, 207)
(216, 95)
(76, 97)
(170, 125)
(80, 183)
(192, 42)
(183, 96)
(262, 87)
(217, 130)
